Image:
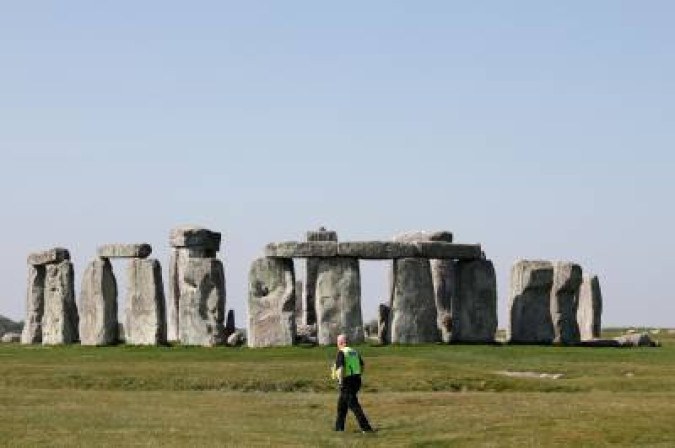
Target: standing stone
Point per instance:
(338, 300)
(567, 278)
(98, 304)
(230, 326)
(529, 303)
(475, 307)
(271, 302)
(145, 314)
(589, 314)
(299, 306)
(309, 298)
(383, 324)
(413, 307)
(60, 318)
(443, 276)
(202, 302)
(35, 305)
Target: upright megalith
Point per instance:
(474, 314)
(309, 296)
(589, 313)
(383, 324)
(338, 300)
(60, 318)
(145, 304)
(271, 302)
(98, 304)
(193, 253)
(35, 305)
(529, 303)
(413, 306)
(202, 303)
(567, 278)
(443, 277)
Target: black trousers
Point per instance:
(349, 400)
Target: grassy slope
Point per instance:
(192, 396)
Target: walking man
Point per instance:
(348, 370)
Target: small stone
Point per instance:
(322, 235)
(55, 255)
(11, 337)
(235, 339)
(230, 327)
(195, 236)
(142, 250)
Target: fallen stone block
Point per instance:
(11, 337)
(142, 250)
(195, 236)
(145, 313)
(271, 302)
(235, 339)
(636, 340)
(55, 255)
(98, 304)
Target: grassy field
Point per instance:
(429, 395)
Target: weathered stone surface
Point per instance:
(529, 303)
(60, 319)
(271, 302)
(55, 255)
(195, 236)
(567, 278)
(589, 313)
(295, 249)
(11, 337)
(298, 300)
(636, 340)
(98, 304)
(322, 235)
(474, 314)
(35, 305)
(338, 300)
(306, 334)
(202, 302)
(141, 250)
(145, 313)
(383, 324)
(230, 327)
(443, 276)
(376, 250)
(440, 250)
(424, 235)
(177, 263)
(413, 308)
(235, 339)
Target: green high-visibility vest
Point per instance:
(352, 362)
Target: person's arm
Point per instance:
(363, 364)
(339, 367)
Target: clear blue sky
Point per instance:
(539, 129)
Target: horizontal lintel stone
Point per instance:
(55, 255)
(374, 250)
(295, 249)
(142, 250)
(194, 236)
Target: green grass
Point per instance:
(430, 395)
